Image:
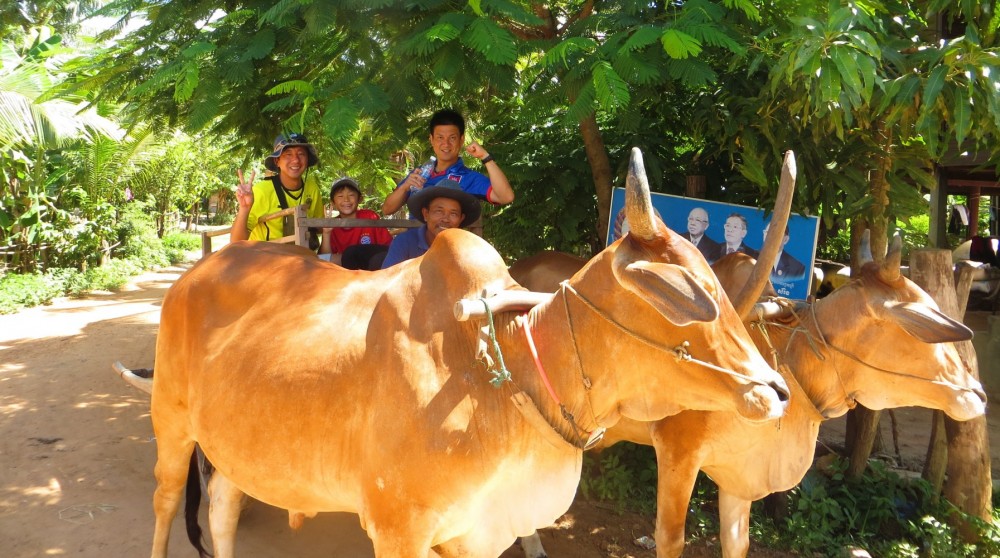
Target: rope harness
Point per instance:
(761, 326)
(500, 374)
(679, 352)
(582, 438)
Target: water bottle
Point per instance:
(426, 170)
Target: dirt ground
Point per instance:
(77, 453)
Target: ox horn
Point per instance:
(893, 260)
(866, 248)
(744, 301)
(638, 206)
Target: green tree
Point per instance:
(20, 18)
(35, 126)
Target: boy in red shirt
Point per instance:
(354, 247)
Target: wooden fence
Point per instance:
(304, 223)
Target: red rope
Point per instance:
(534, 354)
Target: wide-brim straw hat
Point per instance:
(422, 198)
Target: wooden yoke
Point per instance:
(469, 308)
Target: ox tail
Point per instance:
(192, 497)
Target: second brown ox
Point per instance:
(879, 340)
(394, 418)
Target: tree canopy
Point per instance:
(859, 90)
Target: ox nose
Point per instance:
(781, 388)
(978, 390)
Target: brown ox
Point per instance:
(394, 417)
(879, 340)
(545, 270)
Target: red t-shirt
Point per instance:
(340, 238)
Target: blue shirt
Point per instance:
(406, 246)
(475, 183)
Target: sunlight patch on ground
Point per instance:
(52, 493)
(565, 522)
(13, 407)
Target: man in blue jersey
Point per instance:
(447, 137)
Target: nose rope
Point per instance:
(679, 352)
(761, 325)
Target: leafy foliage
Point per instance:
(30, 289)
(880, 511)
(624, 474)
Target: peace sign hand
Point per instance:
(244, 190)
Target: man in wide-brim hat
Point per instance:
(291, 186)
(439, 208)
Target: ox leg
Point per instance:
(734, 528)
(226, 503)
(171, 473)
(673, 495)
(675, 478)
(532, 546)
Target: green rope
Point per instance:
(500, 375)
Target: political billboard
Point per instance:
(718, 228)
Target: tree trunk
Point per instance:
(877, 222)
(861, 442)
(600, 167)
(937, 454)
(968, 483)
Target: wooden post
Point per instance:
(206, 244)
(938, 226)
(973, 207)
(936, 463)
(301, 232)
(968, 484)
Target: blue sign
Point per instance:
(720, 228)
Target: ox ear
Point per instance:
(925, 323)
(671, 290)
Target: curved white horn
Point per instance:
(866, 248)
(757, 282)
(638, 206)
(893, 260)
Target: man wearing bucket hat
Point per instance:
(447, 136)
(439, 208)
(354, 247)
(292, 186)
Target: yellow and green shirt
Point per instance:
(265, 202)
